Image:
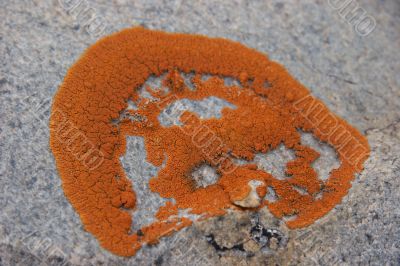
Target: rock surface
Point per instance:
(356, 76)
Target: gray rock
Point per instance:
(356, 76)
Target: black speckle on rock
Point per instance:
(370, 239)
(263, 236)
(159, 261)
(12, 162)
(43, 23)
(2, 81)
(57, 260)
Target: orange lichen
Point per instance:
(87, 143)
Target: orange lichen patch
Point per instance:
(166, 211)
(87, 141)
(261, 191)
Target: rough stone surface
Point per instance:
(357, 77)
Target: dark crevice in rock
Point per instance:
(211, 240)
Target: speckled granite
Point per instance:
(357, 77)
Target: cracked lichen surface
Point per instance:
(271, 108)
